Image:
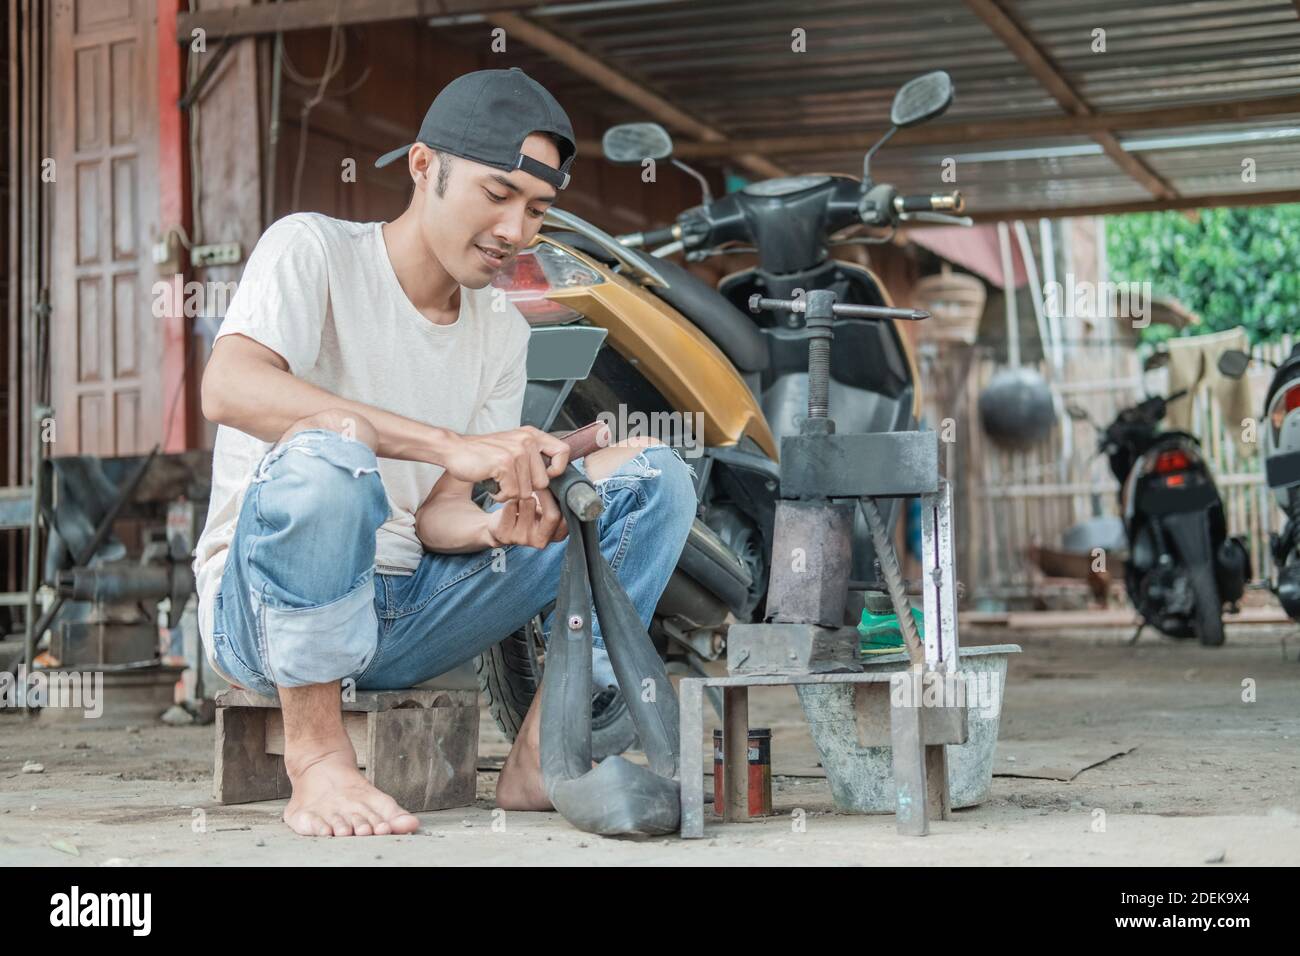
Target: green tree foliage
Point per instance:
(1230, 266)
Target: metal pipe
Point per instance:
(1036, 294)
(34, 533)
(119, 581)
(273, 128)
(1047, 242)
(1009, 297)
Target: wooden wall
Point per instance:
(11, 380)
(227, 141)
(407, 64)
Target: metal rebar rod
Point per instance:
(893, 577)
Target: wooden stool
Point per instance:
(419, 746)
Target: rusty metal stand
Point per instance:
(824, 477)
(772, 655)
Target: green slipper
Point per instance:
(879, 633)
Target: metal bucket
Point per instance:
(862, 778)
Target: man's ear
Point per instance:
(419, 161)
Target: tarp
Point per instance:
(974, 248)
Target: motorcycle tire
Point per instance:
(508, 676)
(1209, 612)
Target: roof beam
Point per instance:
(943, 134)
(594, 69)
(1274, 198)
(313, 14)
(1023, 47)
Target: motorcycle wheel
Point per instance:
(509, 675)
(1209, 612)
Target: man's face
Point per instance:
(485, 216)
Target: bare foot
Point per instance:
(332, 798)
(519, 785)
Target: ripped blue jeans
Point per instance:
(301, 603)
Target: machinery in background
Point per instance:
(114, 607)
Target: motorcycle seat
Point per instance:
(726, 326)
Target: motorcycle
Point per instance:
(1281, 445)
(1181, 567)
(618, 328)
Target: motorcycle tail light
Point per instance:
(529, 278)
(1283, 408)
(1172, 460)
(1174, 481)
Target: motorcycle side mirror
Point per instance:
(1155, 360)
(1233, 363)
(921, 99)
(630, 144)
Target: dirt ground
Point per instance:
(1184, 772)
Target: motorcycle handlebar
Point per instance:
(725, 219)
(934, 202)
(655, 237)
(758, 302)
(659, 237)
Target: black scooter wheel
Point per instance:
(1209, 611)
(507, 685)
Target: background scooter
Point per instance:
(1181, 565)
(1281, 445)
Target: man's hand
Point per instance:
(535, 521)
(512, 458)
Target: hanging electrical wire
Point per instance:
(335, 59)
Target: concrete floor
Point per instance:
(1204, 778)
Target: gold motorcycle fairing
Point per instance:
(671, 352)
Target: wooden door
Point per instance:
(105, 346)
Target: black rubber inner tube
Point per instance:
(617, 796)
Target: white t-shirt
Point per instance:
(322, 294)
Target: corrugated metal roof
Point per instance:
(730, 64)
(1170, 53)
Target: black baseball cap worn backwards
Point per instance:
(485, 116)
